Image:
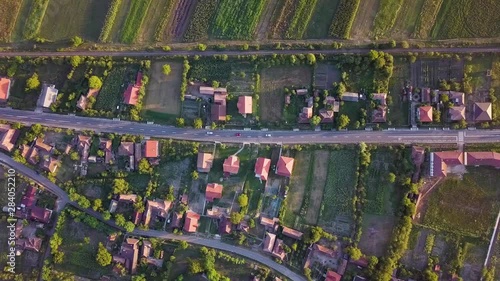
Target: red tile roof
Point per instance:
(151, 149)
(40, 214)
(292, 233)
(285, 166)
(28, 198)
(245, 105)
(380, 98)
(425, 113)
(191, 221)
(32, 244)
(204, 163)
(8, 137)
(156, 208)
(332, 276)
(262, 167)
(323, 250)
(326, 115)
(441, 160)
(218, 112)
(269, 242)
(231, 165)
(4, 89)
(268, 222)
(138, 79)
(379, 114)
(483, 159)
(213, 191)
(278, 250)
(131, 95)
(457, 113)
(482, 111)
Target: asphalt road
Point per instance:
(250, 52)
(63, 200)
(400, 136)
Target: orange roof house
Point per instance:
(488, 158)
(156, 208)
(262, 168)
(284, 166)
(322, 250)
(191, 222)
(425, 114)
(457, 113)
(379, 114)
(231, 165)
(4, 89)
(151, 149)
(292, 233)
(269, 242)
(267, 222)
(278, 250)
(43, 146)
(50, 164)
(441, 160)
(218, 112)
(213, 191)
(131, 95)
(204, 163)
(332, 276)
(245, 105)
(482, 112)
(8, 137)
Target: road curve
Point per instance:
(63, 200)
(250, 52)
(400, 136)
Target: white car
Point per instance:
(268, 135)
(210, 133)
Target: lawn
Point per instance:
(321, 20)
(273, 82)
(111, 93)
(386, 16)
(135, 18)
(340, 186)
(478, 197)
(10, 11)
(379, 191)
(468, 19)
(163, 93)
(237, 19)
(478, 68)
(298, 187)
(67, 19)
(352, 110)
(399, 109)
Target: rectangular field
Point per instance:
(135, 18)
(237, 19)
(111, 93)
(339, 187)
(321, 20)
(478, 197)
(282, 17)
(460, 19)
(298, 183)
(347, 12)
(407, 18)
(300, 19)
(320, 170)
(34, 19)
(163, 95)
(199, 23)
(156, 20)
(67, 19)
(119, 20)
(427, 18)
(379, 190)
(273, 82)
(398, 110)
(386, 16)
(9, 11)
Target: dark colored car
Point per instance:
(238, 134)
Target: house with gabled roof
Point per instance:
(128, 255)
(456, 113)
(191, 221)
(326, 116)
(156, 209)
(126, 148)
(332, 276)
(441, 161)
(285, 166)
(348, 96)
(482, 111)
(269, 223)
(31, 244)
(292, 233)
(231, 165)
(4, 89)
(424, 114)
(151, 149)
(244, 105)
(204, 163)
(262, 166)
(213, 191)
(48, 95)
(131, 95)
(269, 242)
(278, 250)
(305, 115)
(8, 137)
(43, 146)
(40, 214)
(487, 158)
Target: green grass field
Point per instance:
(467, 207)
(407, 18)
(379, 191)
(34, 19)
(398, 111)
(82, 18)
(136, 15)
(300, 19)
(156, 21)
(427, 18)
(321, 19)
(468, 19)
(340, 185)
(237, 19)
(299, 184)
(386, 16)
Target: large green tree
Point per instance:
(103, 257)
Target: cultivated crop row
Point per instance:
(386, 15)
(110, 20)
(237, 19)
(344, 18)
(35, 18)
(134, 20)
(111, 92)
(198, 27)
(281, 24)
(301, 18)
(427, 18)
(160, 29)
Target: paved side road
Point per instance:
(63, 200)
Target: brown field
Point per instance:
(179, 20)
(163, 95)
(321, 159)
(155, 14)
(9, 11)
(376, 234)
(363, 23)
(264, 25)
(297, 185)
(283, 15)
(273, 82)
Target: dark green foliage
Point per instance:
(344, 18)
(199, 24)
(35, 18)
(237, 19)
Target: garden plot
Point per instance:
(298, 187)
(428, 72)
(317, 188)
(325, 75)
(363, 23)
(163, 94)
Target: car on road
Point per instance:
(268, 135)
(238, 134)
(210, 133)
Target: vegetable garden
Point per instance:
(110, 20)
(162, 24)
(237, 19)
(135, 18)
(200, 22)
(378, 187)
(112, 90)
(344, 18)
(300, 19)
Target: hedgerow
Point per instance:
(35, 17)
(237, 19)
(344, 18)
(164, 20)
(301, 18)
(199, 24)
(134, 20)
(110, 20)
